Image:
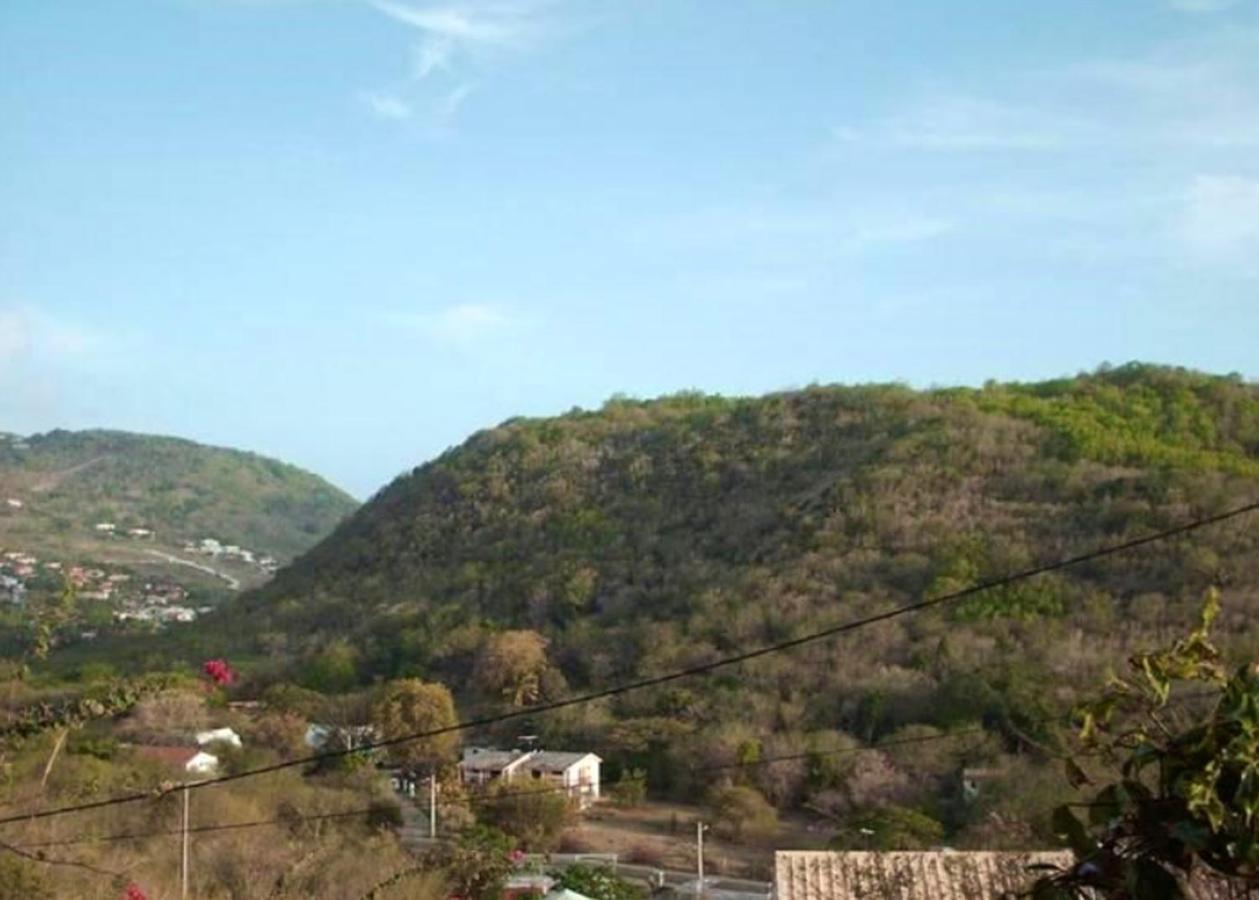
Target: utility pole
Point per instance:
(183, 869)
(700, 828)
(432, 805)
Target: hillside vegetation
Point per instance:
(69, 481)
(648, 536)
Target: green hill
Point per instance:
(555, 555)
(68, 482)
(717, 521)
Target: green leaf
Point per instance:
(1072, 830)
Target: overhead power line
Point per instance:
(691, 672)
(490, 799)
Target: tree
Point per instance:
(410, 706)
(335, 668)
(534, 816)
(477, 864)
(891, 828)
(597, 883)
(1186, 802)
(741, 812)
(511, 666)
(630, 790)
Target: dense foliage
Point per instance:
(1184, 806)
(648, 536)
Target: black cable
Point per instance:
(200, 829)
(488, 799)
(691, 672)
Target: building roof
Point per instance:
(938, 875)
(556, 761)
(551, 761)
(224, 735)
(933, 875)
(175, 756)
(490, 760)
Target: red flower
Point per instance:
(516, 856)
(218, 671)
(133, 892)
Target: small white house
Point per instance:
(577, 773)
(14, 503)
(105, 527)
(192, 760)
(218, 735)
(202, 763)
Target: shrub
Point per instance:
(741, 812)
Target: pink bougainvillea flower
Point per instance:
(218, 671)
(516, 856)
(133, 892)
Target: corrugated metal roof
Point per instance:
(490, 760)
(934, 875)
(554, 760)
(938, 875)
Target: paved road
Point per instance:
(414, 837)
(233, 583)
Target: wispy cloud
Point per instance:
(432, 55)
(960, 124)
(903, 229)
(1219, 219)
(1200, 6)
(471, 24)
(456, 46)
(461, 324)
(43, 355)
(1200, 93)
(30, 336)
(387, 106)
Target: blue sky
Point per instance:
(349, 233)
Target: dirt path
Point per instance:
(49, 480)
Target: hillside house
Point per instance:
(105, 527)
(14, 503)
(191, 760)
(576, 772)
(217, 736)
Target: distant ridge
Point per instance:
(69, 481)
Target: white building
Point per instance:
(575, 772)
(218, 735)
(105, 527)
(338, 737)
(192, 760)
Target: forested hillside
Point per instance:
(648, 536)
(67, 482)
